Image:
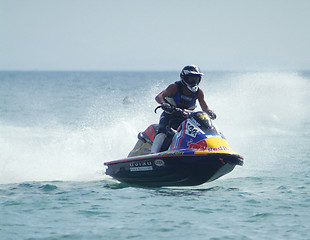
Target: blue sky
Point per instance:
(264, 35)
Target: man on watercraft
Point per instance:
(181, 94)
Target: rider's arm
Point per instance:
(168, 92)
(202, 101)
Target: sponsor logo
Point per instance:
(201, 145)
(220, 148)
(140, 169)
(140, 164)
(159, 162)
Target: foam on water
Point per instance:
(66, 130)
(49, 148)
(250, 107)
(62, 152)
(261, 114)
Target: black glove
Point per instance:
(211, 114)
(167, 107)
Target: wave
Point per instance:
(249, 106)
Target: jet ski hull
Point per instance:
(196, 153)
(158, 170)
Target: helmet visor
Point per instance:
(193, 80)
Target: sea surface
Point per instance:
(58, 128)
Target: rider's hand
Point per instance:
(211, 114)
(167, 107)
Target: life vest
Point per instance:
(182, 100)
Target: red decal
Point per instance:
(201, 145)
(150, 132)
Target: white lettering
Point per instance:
(140, 169)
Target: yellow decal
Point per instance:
(216, 145)
(203, 116)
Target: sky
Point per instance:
(155, 35)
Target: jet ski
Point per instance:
(196, 153)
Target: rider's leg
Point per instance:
(158, 142)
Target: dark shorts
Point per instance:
(168, 121)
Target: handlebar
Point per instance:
(155, 111)
(185, 112)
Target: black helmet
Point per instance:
(190, 77)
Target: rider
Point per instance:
(181, 94)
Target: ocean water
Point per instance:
(58, 128)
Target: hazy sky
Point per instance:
(259, 35)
